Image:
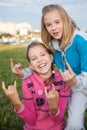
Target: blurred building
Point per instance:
(14, 29)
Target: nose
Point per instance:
(53, 27)
(39, 59)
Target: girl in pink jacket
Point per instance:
(45, 95)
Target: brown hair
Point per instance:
(69, 25)
(37, 43)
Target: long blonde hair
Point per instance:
(69, 25)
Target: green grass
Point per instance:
(8, 118)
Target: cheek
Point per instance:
(50, 61)
(32, 65)
(48, 30)
(62, 27)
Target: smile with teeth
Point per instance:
(42, 65)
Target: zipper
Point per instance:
(64, 60)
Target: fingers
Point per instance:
(51, 92)
(16, 69)
(46, 91)
(17, 66)
(53, 89)
(15, 84)
(61, 72)
(3, 87)
(67, 74)
(69, 68)
(71, 72)
(11, 63)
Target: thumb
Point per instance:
(46, 92)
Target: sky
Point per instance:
(29, 11)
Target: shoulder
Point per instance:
(80, 35)
(28, 79)
(35, 78)
(79, 39)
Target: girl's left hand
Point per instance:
(52, 98)
(69, 76)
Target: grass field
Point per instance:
(8, 119)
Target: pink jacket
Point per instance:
(35, 111)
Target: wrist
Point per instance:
(21, 75)
(18, 105)
(53, 111)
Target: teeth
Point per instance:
(42, 65)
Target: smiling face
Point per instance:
(40, 60)
(54, 24)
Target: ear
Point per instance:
(51, 57)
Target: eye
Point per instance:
(43, 54)
(57, 22)
(48, 25)
(34, 58)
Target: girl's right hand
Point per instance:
(12, 94)
(16, 69)
(69, 76)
